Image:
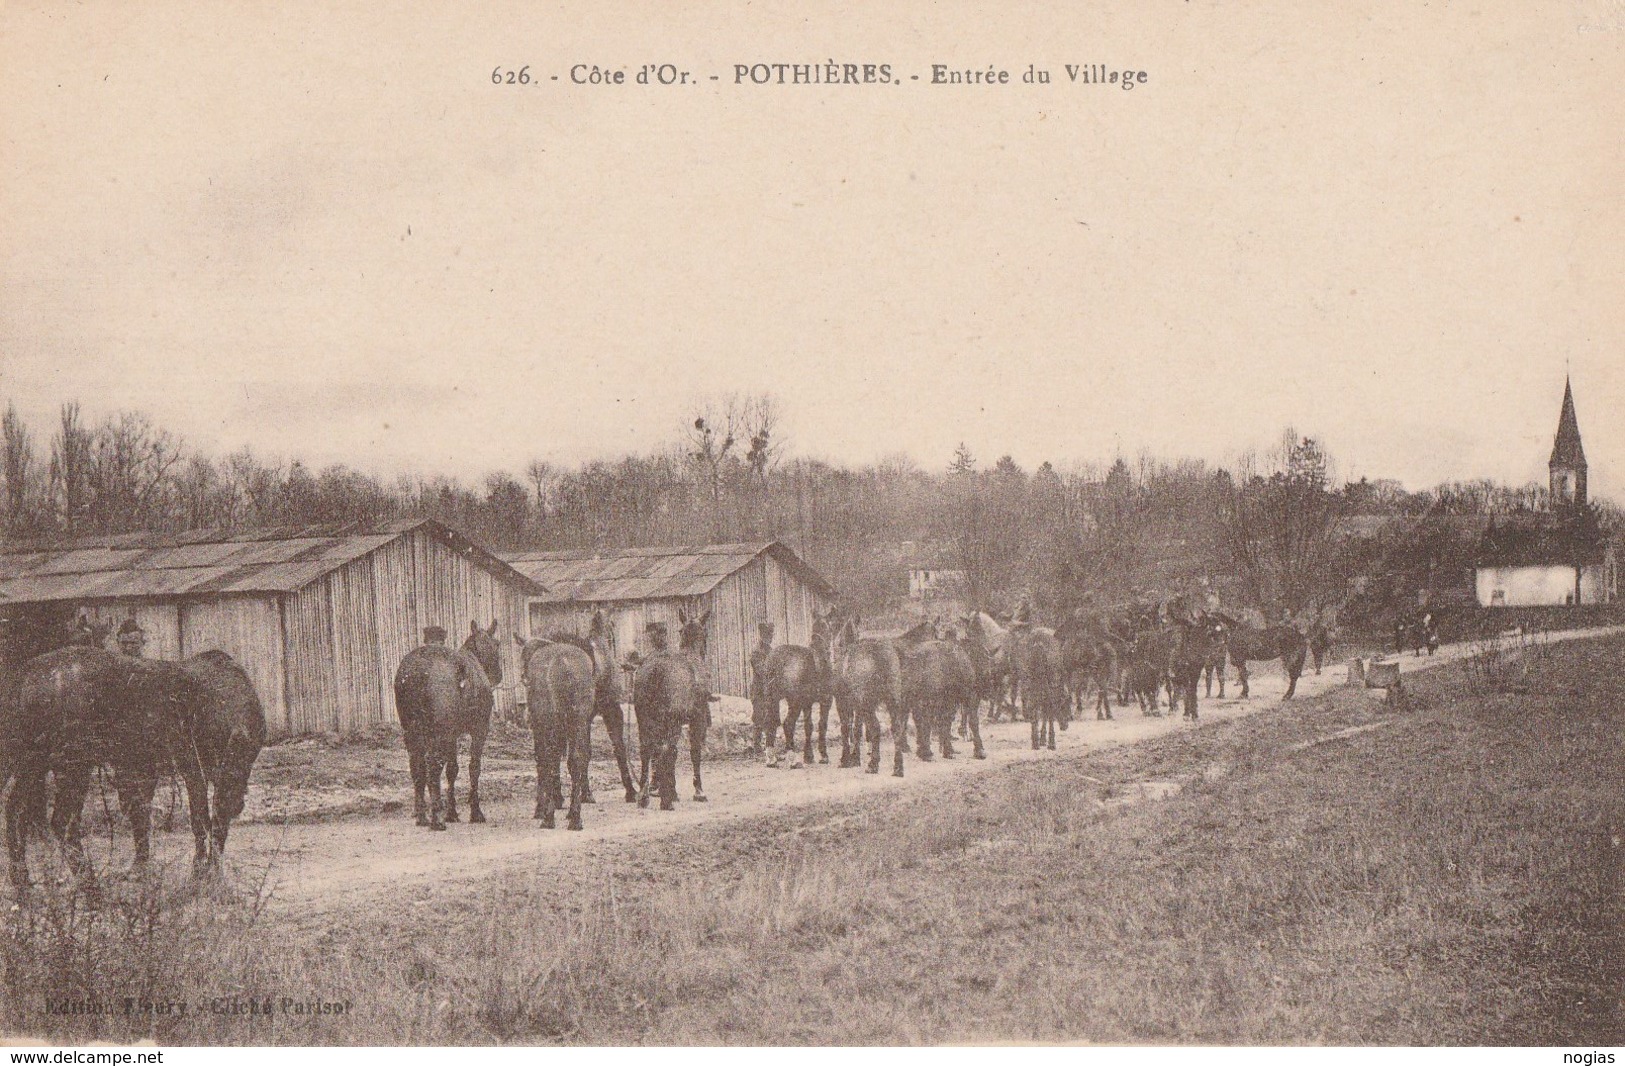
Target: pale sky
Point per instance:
(320, 230)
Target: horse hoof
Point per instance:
(574, 825)
(897, 772)
(423, 819)
(588, 797)
(700, 797)
(668, 805)
(452, 816)
(477, 816)
(979, 754)
(876, 769)
(437, 827)
(631, 797)
(643, 802)
(824, 759)
(549, 823)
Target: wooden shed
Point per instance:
(740, 584)
(319, 617)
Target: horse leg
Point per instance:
(615, 722)
(19, 805)
(696, 746)
(547, 770)
(476, 754)
(668, 765)
(197, 805)
(974, 710)
(1294, 669)
(451, 782)
(1031, 711)
(945, 731)
(1241, 679)
(578, 750)
(434, 765)
(807, 732)
(922, 735)
(868, 723)
(645, 756)
(415, 758)
(849, 737)
(538, 744)
(66, 817)
(899, 738)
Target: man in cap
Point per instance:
(655, 634)
(131, 638)
(764, 715)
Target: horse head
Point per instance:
(692, 635)
(482, 644)
(846, 633)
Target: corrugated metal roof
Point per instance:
(144, 566)
(649, 573)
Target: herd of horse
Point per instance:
(69, 711)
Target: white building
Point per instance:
(1551, 560)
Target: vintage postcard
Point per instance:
(808, 524)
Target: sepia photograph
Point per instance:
(745, 525)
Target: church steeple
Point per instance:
(1568, 464)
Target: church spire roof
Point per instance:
(1566, 449)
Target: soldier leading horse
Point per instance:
(441, 695)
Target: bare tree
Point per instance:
(22, 516)
(71, 458)
(1278, 524)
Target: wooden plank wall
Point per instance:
(249, 629)
(762, 591)
(312, 685)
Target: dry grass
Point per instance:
(1451, 877)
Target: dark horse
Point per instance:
(802, 677)
(570, 680)
(1088, 656)
(1035, 657)
(229, 735)
(868, 676)
(1191, 651)
(938, 684)
(1246, 644)
(440, 695)
(78, 708)
(669, 691)
(1148, 671)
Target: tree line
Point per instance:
(1265, 528)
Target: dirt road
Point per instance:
(342, 862)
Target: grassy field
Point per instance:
(1334, 872)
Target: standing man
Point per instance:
(764, 723)
(132, 639)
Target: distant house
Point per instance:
(933, 571)
(1561, 558)
(1545, 564)
(318, 616)
(740, 584)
